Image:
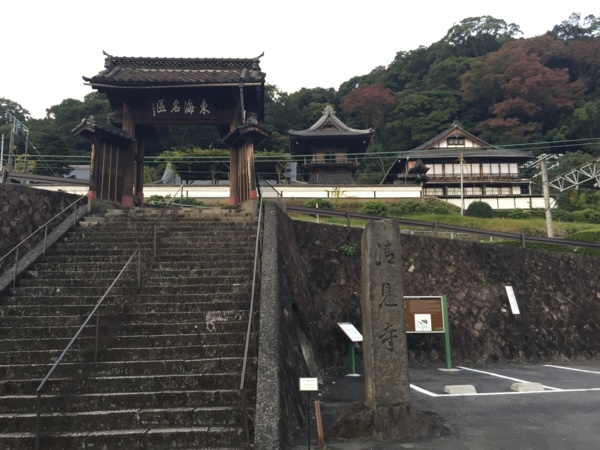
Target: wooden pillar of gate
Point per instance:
(139, 172)
(234, 197)
(93, 189)
(242, 183)
(127, 160)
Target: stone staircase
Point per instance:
(170, 352)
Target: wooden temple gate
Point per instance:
(147, 92)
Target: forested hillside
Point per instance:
(540, 93)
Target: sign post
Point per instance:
(308, 385)
(354, 336)
(429, 314)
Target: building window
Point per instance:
(456, 141)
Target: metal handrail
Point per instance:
(45, 227)
(441, 226)
(97, 312)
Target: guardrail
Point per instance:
(44, 227)
(436, 227)
(96, 311)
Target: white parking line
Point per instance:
(558, 391)
(572, 368)
(423, 391)
(505, 377)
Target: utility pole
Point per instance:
(16, 126)
(462, 186)
(546, 189)
(11, 144)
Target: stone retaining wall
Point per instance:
(558, 296)
(22, 211)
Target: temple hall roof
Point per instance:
(141, 71)
(330, 126)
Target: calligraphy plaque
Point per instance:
(384, 327)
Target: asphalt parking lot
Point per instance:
(564, 415)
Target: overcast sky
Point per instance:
(47, 45)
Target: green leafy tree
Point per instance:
(198, 164)
(477, 36)
(574, 28)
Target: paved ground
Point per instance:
(566, 415)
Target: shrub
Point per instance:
(480, 209)
(591, 235)
(562, 215)
(323, 204)
(155, 198)
(441, 210)
(347, 249)
(188, 201)
(587, 215)
(518, 214)
(411, 207)
(375, 208)
(434, 202)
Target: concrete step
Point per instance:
(114, 308)
(120, 354)
(151, 278)
(207, 258)
(107, 328)
(108, 340)
(129, 291)
(220, 298)
(162, 234)
(146, 438)
(178, 267)
(128, 368)
(126, 419)
(130, 383)
(20, 404)
(129, 318)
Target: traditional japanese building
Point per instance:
(455, 155)
(145, 92)
(328, 151)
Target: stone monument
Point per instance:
(387, 414)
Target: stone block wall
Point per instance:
(22, 211)
(558, 296)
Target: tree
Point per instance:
(371, 102)
(575, 29)
(198, 164)
(477, 36)
(524, 95)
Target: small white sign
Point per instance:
(351, 331)
(422, 322)
(309, 384)
(512, 299)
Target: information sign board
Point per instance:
(351, 331)
(424, 314)
(309, 384)
(512, 300)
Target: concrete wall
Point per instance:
(221, 194)
(279, 411)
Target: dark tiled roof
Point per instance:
(476, 152)
(249, 130)
(91, 125)
(330, 126)
(134, 71)
(454, 128)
